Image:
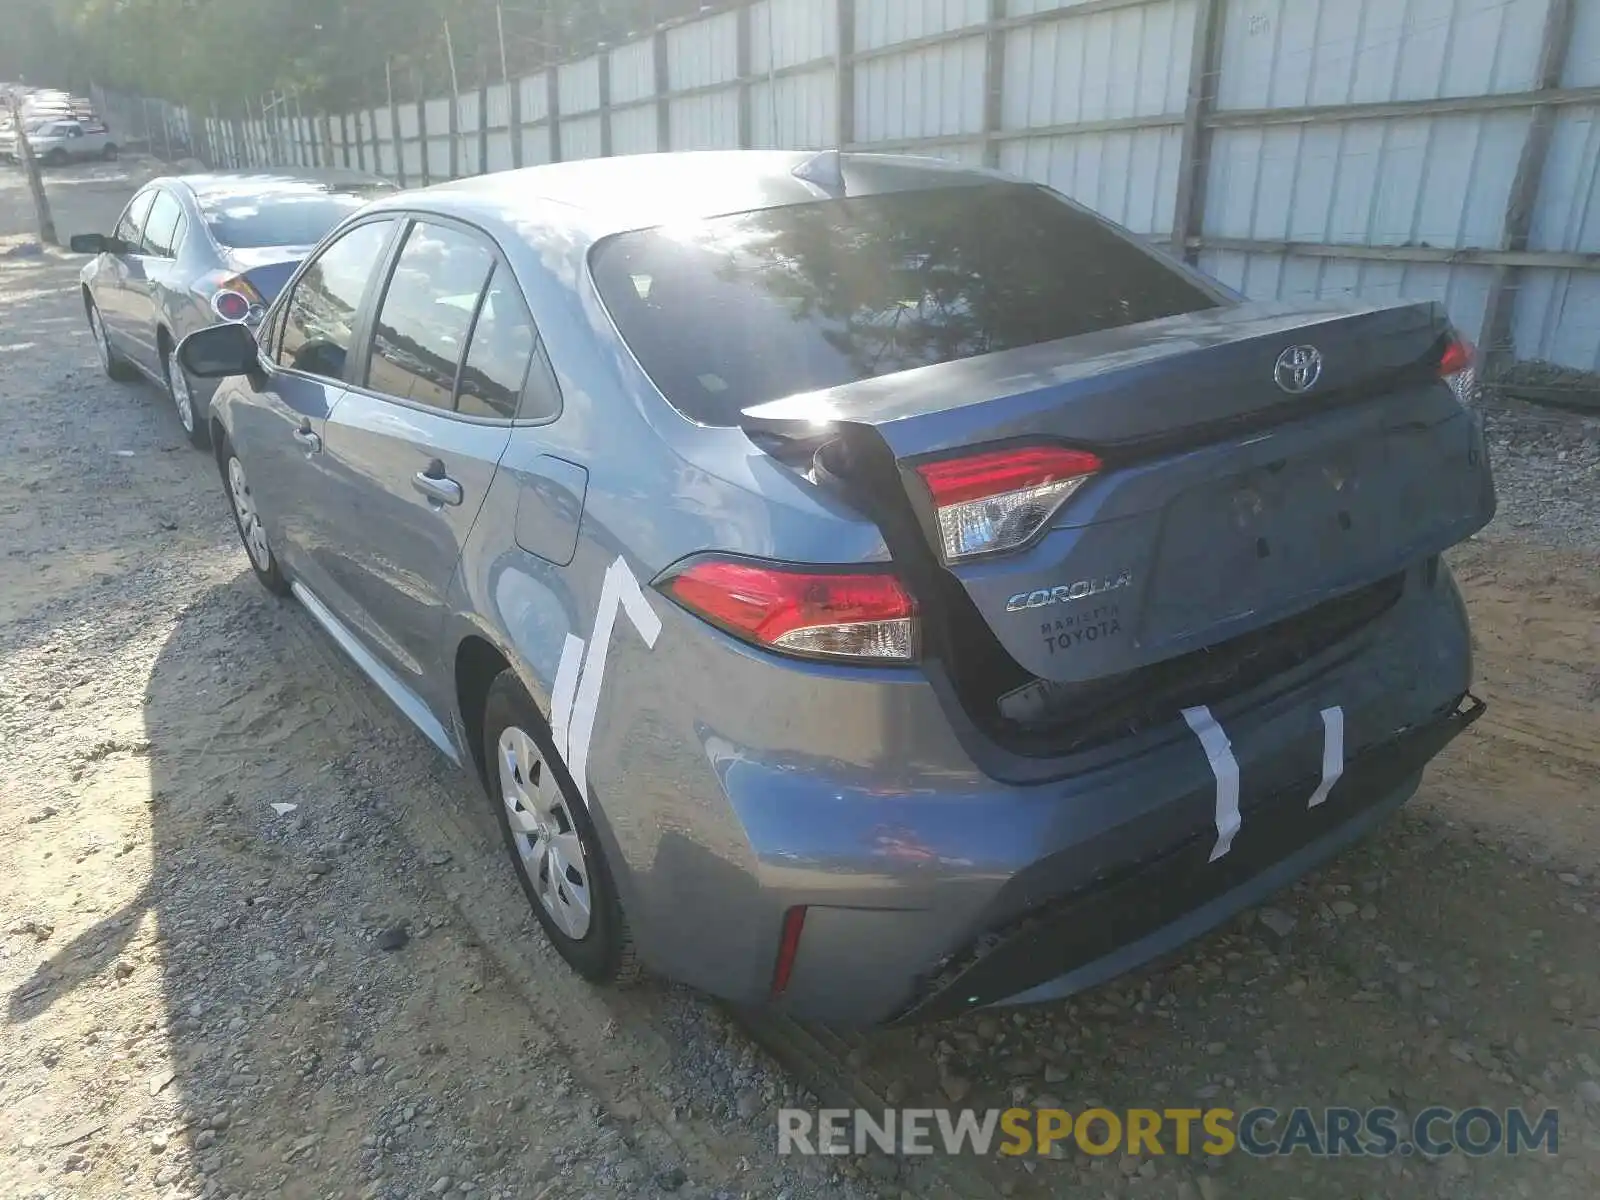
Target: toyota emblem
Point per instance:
(1298, 369)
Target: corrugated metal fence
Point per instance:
(1444, 149)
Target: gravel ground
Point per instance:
(256, 938)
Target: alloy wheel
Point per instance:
(182, 398)
(98, 330)
(546, 839)
(244, 505)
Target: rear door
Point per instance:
(277, 428)
(153, 270)
(414, 445)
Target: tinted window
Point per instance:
(498, 356)
(426, 314)
(251, 216)
(738, 310)
(320, 319)
(161, 230)
(130, 229)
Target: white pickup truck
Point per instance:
(58, 140)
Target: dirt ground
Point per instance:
(256, 937)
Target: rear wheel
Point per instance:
(181, 392)
(551, 839)
(248, 520)
(111, 362)
(55, 158)
(109, 154)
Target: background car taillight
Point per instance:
(999, 500)
(803, 610)
(234, 298)
(1459, 367)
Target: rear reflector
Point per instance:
(997, 501)
(1459, 367)
(794, 923)
(800, 610)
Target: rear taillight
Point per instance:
(233, 297)
(1459, 367)
(823, 613)
(999, 500)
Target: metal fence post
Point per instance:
(1189, 215)
(658, 46)
(1499, 325)
(994, 83)
(743, 68)
(422, 138)
(483, 124)
(552, 79)
(845, 74)
(395, 141)
(603, 54)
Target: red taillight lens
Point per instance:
(1459, 367)
(233, 297)
(996, 501)
(231, 306)
(801, 610)
(794, 923)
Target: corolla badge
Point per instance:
(1298, 369)
(1068, 592)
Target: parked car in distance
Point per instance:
(56, 141)
(864, 585)
(192, 250)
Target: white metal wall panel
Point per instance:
(578, 86)
(438, 158)
(703, 53)
(438, 115)
(408, 121)
(499, 151)
(1568, 213)
(535, 97)
(786, 32)
(927, 93)
(797, 112)
(1288, 53)
(1583, 54)
(1464, 291)
(499, 106)
(412, 150)
(633, 130)
(1440, 181)
(1130, 177)
(467, 112)
(706, 122)
(1130, 62)
(580, 137)
(885, 22)
(1558, 318)
(1018, 8)
(535, 145)
(633, 71)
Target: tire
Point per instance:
(109, 154)
(112, 363)
(55, 158)
(181, 392)
(514, 731)
(248, 522)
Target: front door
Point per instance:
(416, 442)
(111, 283)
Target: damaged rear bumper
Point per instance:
(1118, 923)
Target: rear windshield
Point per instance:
(247, 220)
(738, 310)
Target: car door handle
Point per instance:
(308, 438)
(439, 488)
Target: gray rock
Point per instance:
(440, 1186)
(1275, 919)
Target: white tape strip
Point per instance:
(566, 688)
(1224, 766)
(1332, 753)
(619, 591)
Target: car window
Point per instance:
(130, 228)
(809, 296)
(161, 230)
(320, 318)
(426, 314)
(251, 215)
(502, 346)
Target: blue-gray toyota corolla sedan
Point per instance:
(864, 585)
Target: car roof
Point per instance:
(213, 183)
(639, 191)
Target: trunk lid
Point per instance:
(1225, 502)
(267, 268)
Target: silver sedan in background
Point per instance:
(192, 250)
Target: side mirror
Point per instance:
(220, 351)
(94, 243)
